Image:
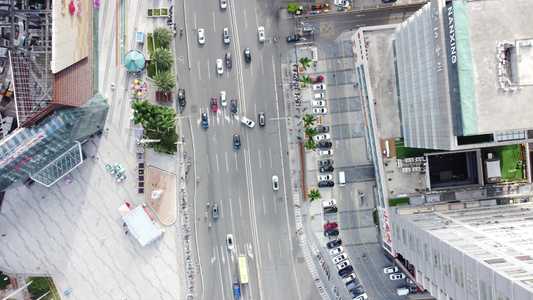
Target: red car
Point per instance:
(214, 104)
(330, 226)
(317, 79)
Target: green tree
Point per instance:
(39, 286)
(310, 144)
(162, 37)
(309, 120)
(293, 7)
(306, 79)
(153, 117)
(163, 59)
(305, 62)
(165, 81)
(310, 131)
(313, 195)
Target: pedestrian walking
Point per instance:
(42, 198)
(333, 75)
(126, 233)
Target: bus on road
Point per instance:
(243, 269)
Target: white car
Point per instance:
(336, 251)
(223, 100)
(389, 270)
(318, 103)
(229, 241)
(337, 259)
(201, 36)
(223, 4)
(261, 33)
(247, 122)
(343, 264)
(325, 177)
(325, 152)
(319, 87)
(349, 278)
(275, 183)
(361, 297)
(397, 276)
(342, 3)
(328, 203)
(319, 96)
(220, 69)
(320, 110)
(225, 34)
(322, 137)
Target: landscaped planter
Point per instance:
(157, 12)
(303, 85)
(150, 12)
(164, 12)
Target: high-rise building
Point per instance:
(49, 101)
(464, 74)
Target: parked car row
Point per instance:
(343, 264)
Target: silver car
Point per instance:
(225, 34)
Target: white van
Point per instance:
(342, 179)
(402, 291)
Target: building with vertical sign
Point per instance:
(465, 77)
(49, 104)
(450, 89)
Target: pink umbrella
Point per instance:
(131, 86)
(143, 89)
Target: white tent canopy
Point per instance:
(142, 226)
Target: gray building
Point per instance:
(464, 74)
(472, 250)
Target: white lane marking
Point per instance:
(259, 159)
(227, 164)
(269, 253)
(218, 168)
(208, 70)
(262, 65)
(264, 206)
(199, 73)
(256, 19)
(236, 163)
(214, 25)
(274, 202)
(280, 252)
(245, 20)
(270, 154)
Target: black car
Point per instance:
(326, 183)
(331, 232)
(233, 104)
(330, 210)
(247, 55)
(215, 211)
(357, 291)
(325, 162)
(228, 60)
(323, 145)
(261, 118)
(181, 97)
(322, 129)
(387, 1)
(326, 169)
(293, 38)
(346, 271)
(334, 244)
(237, 141)
(205, 123)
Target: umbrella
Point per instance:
(134, 61)
(124, 210)
(131, 86)
(136, 81)
(139, 94)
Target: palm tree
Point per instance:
(162, 37)
(305, 62)
(163, 59)
(165, 81)
(313, 195)
(309, 120)
(310, 132)
(306, 79)
(310, 144)
(154, 117)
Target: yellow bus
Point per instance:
(243, 269)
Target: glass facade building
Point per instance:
(51, 149)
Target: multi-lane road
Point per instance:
(239, 181)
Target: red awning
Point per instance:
(404, 269)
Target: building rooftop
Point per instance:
(497, 235)
(500, 108)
